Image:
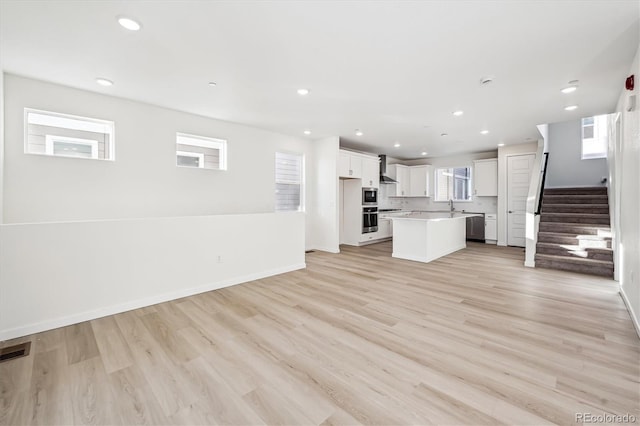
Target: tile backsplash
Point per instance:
(478, 205)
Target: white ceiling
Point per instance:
(396, 70)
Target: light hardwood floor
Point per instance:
(359, 337)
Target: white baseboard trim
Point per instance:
(140, 303)
(632, 314)
(530, 264)
(327, 249)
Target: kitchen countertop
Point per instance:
(434, 215)
(388, 214)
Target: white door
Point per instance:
(518, 178)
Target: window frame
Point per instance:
(202, 142)
(111, 125)
(302, 183)
(450, 195)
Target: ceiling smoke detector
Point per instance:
(486, 80)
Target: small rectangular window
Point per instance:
(453, 183)
(63, 135)
(595, 137)
(201, 152)
(289, 182)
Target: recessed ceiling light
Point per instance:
(128, 23)
(569, 89)
(303, 92)
(104, 82)
(444, 134)
(500, 144)
(307, 132)
(484, 132)
(424, 153)
(213, 84)
(358, 133)
(396, 145)
(570, 107)
(458, 113)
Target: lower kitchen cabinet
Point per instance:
(490, 228)
(370, 236)
(384, 231)
(385, 228)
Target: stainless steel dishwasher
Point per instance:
(475, 227)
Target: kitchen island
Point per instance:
(427, 236)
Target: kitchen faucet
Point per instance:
(451, 204)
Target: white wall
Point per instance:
(477, 205)
(2, 165)
(503, 153)
(566, 168)
(325, 221)
(86, 238)
(143, 181)
(627, 166)
(55, 274)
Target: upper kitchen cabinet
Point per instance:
(370, 172)
(349, 165)
(485, 178)
(419, 181)
(401, 174)
(413, 181)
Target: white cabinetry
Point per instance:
(402, 176)
(419, 181)
(490, 228)
(485, 179)
(349, 165)
(370, 236)
(385, 229)
(399, 173)
(413, 181)
(370, 172)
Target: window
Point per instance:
(71, 147)
(288, 182)
(453, 183)
(595, 137)
(201, 152)
(63, 135)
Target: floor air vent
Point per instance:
(309, 251)
(16, 351)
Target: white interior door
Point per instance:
(518, 178)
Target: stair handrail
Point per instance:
(543, 171)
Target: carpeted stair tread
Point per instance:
(575, 250)
(597, 190)
(576, 228)
(577, 208)
(575, 264)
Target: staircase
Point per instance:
(574, 233)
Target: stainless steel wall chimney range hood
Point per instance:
(383, 170)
